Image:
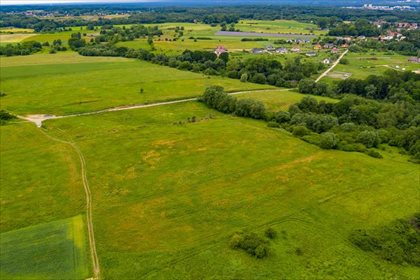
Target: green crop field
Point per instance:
(93, 84)
(178, 190)
(279, 26)
(281, 99)
(362, 65)
(54, 250)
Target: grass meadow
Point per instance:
(96, 83)
(168, 194)
(362, 65)
(280, 99)
(54, 250)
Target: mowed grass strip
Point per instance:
(54, 250)
(170, 192)
(80, 87)
(281, 99)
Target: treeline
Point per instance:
(25, 48)
(114, 34)
(352, 124)
(409, 46)
(360, 27)
(257, 70)
(393, 86)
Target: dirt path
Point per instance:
(91, 235)
(332, 66)
(38, 119)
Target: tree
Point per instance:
(368, 138)
(328, 140)
(306, 86)
(244, 77)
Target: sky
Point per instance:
(16, 2)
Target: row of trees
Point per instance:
(25, 48)
(113, 34)
(257, 70)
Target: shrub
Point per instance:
(282, 117)
(250, 108)
(374, 154)
(270, 233)
(300, 131)
(368, 138)
(328, 140)
(250, 243)
(5, 117)
(273, 124)
(244, 78)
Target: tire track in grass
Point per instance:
(91, 235)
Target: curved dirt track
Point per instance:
(91, 235)
(332, 66)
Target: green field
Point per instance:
(177, 192)
(281, 99)
(54, 250)
(279, 26)
(96, 83)
(232, 43)
(362, 65)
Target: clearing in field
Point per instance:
(165, 183)
(339, 75)
(281, 99)
(54, 250)
(97, 83)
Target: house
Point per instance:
(281, 50)
(414, 59)
(386, 38)
(317, 47)
(295, 49)
(326, 61)
(345, 45)
(328, 46)
(270, 48)
(361, 37)
(335, 50)
(311, 54)
(220, 50)
(257, 51)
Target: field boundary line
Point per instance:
(91, 235)
(332, 66)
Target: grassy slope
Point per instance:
(55, 250)
(167, 197)
(95, 84)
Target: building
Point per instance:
(281, 51)
(311, 54)
(326, 61)
(414, 59)
(270, 48)
(335, 50)
(295, 49)
(220, 50)
(257, 51)
(328, 46)
(317, 47)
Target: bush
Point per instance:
(273, 124)
(368, 138)
(300, 131)
(250, 243)
(270, 233)
(282, 117)
(244, 78)
(328, 140)
(374, 154)
(250, 108)
(5, 117)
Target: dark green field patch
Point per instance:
(55, 250)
